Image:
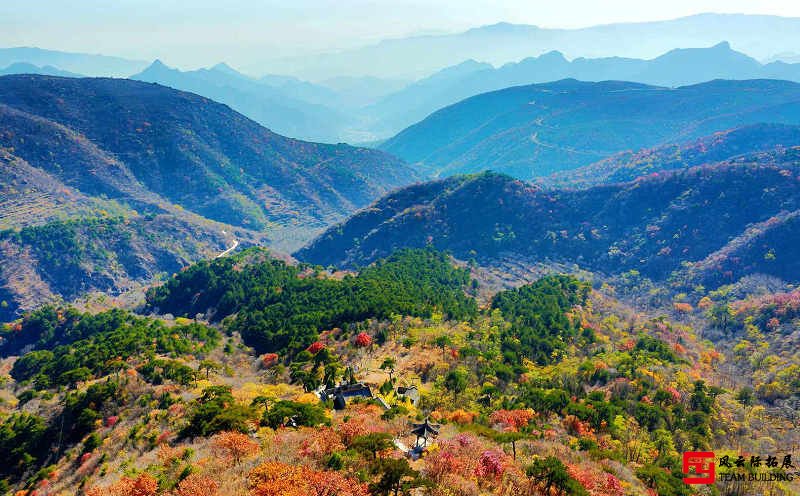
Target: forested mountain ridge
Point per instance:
(67, 259)
(201, 155)
(536, 130)
(655, 225)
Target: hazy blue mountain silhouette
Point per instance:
(677, 67)
(413, 57)
(26, 68)
(272, 103)
(80, 63)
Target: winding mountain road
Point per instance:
(233, 247)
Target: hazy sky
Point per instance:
(192, 33)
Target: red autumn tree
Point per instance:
(363, 340)
(315, 347)
(612, 486)
(269, 360)
(511, 421)
(321, 442)
(491, 465)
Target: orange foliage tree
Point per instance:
(321, 443)
(143, 485)
(281, 479)
(233, 446)
(363, 340)
(197, 485)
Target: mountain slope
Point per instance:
(63, 260)
(745, 142)
(63, 235)
(534, 130)
(652, 225)
(113, 403)
(195, 153)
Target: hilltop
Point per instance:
(656, 226)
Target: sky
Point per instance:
(208, 31)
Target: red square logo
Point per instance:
(703, 464)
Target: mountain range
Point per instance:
(368, 109)
(417, 56)
(331, 111)
(410, 58)
(343, 110)
(535, 130)
(163, 165)
(678, 67)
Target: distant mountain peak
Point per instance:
(157, 67)
(467, 66)
(224, 67)
(470, 63)
(722, 52)
(503, 27)
(553, 55)
(157, 64)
